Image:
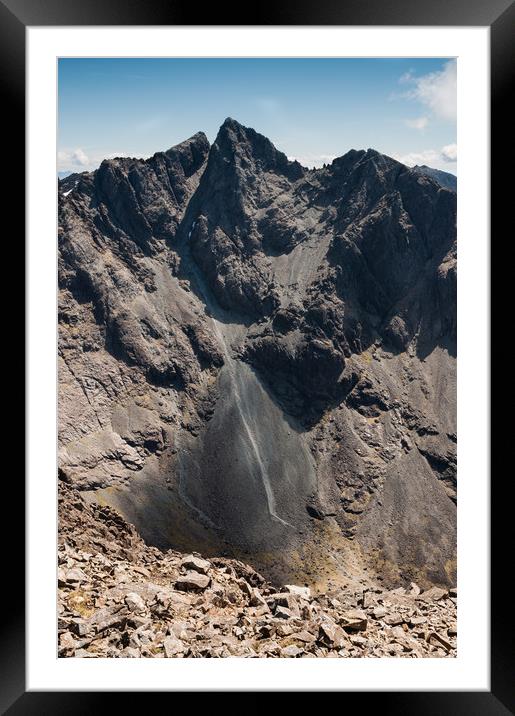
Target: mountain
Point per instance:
(445, 179)
(69, 181)
(258, 361)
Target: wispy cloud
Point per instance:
(436, 90)
(406, 77)
(76, 160)
(417, 123)
(72, 159)
(450, 152)
(444, 158)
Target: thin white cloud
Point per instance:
(72, 159)
(406, 77)
(436, 91)
(444, 158)
(450, 152)
(417, 123)
(76, 160)
(426, 156)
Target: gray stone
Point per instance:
(435, 594)
(305, 637)
(173, 647)
(439, 641)
(195, 564)
(134, 602)
(291, 651)
(332, 635)
(417, 621)
(379, 612)
(192, 582)
(354, 620)
(283, 613)
(303, 592)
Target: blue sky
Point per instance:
(311, 109)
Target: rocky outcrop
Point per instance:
(129, 333)
(258, 359)
(228, 223)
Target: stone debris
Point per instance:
(119, 598)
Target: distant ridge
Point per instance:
(447, 180)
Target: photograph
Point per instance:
(257, 351)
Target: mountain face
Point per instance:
(445, 179)
(259, 359)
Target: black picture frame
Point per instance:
(15, 16)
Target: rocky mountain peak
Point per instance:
(259, 357)
(191, 154)
(247, 149)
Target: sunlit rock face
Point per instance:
(259, 358)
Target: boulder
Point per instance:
(304, 636)
(286, 600)
(331, 635)
(195, 564)
(192, 582)
(354, 620)
(134, 602)
(417, 621)
(379, 612)
(435, 594)
(283, 613)
(393, 619)
(291, 651)
(303, 592)
(439, 641)
(173, 647)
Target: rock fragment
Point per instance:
(134, 602)
(192, 582)
(196, 564)
(173, 647)
(303, 592)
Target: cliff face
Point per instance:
(259, 359)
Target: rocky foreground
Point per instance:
(119, 597)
